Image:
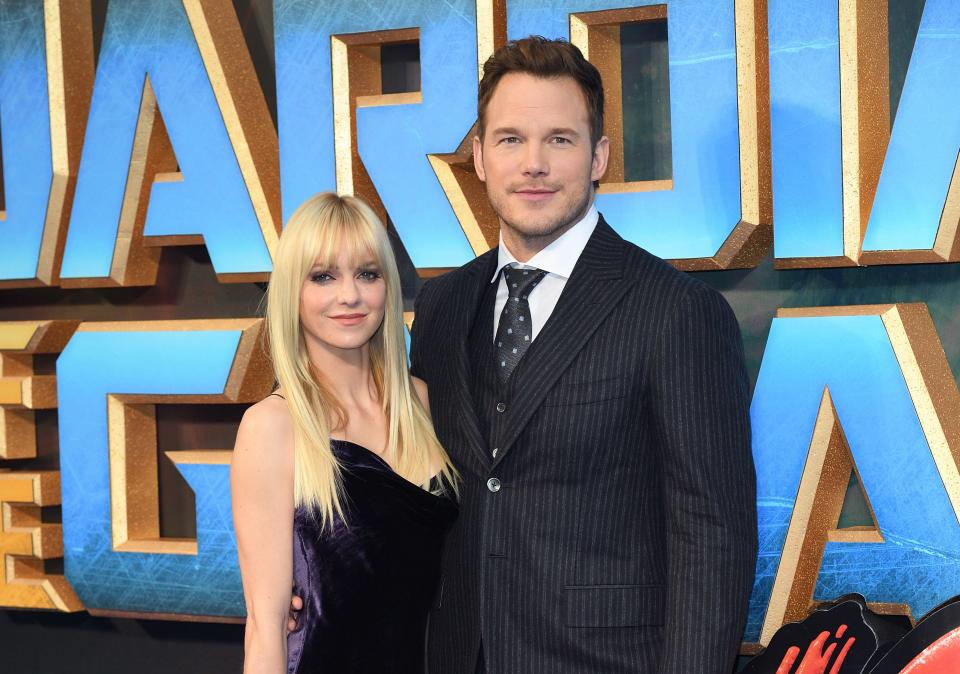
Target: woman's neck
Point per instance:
(346, 372)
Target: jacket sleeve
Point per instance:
(700, 398)
(417, 330)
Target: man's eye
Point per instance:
(370, 275)
(560, 140)
(320, 277)
(510, 140)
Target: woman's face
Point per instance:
(341, 307)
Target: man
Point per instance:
(595, 402)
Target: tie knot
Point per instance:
(521, 282)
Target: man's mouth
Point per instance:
(535, 193)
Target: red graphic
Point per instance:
(817, 658)
(940, 657)
(852, 639)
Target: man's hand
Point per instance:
(296, 605)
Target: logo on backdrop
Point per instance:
(168, 140)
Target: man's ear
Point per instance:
(601, 155)
(478, 158)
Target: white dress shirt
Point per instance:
(557, 259)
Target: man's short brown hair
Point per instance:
(540, 57)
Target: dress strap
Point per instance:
(278, 395)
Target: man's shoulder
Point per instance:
(642, 265)
(652, 274)
(439, 287)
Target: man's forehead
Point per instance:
(546, 100)
(518, 83)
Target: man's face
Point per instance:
(536, 158)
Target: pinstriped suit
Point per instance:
(623, 538)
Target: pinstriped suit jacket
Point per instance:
(624, 536)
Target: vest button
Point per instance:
(493, 484)
(501, 407)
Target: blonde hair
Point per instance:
(322, 228)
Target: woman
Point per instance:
(341, 460)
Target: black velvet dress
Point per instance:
(368, 583)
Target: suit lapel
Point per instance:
(591, 292)
(466, 301)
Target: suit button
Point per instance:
(501, 407)
(493, 484)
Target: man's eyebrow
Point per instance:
(506, 131)
(563, 131)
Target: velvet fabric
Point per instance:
(369, 581)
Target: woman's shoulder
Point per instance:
(272, 408)
(270, 412)
(267, 426)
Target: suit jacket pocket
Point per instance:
(583, 392)
(613, 605)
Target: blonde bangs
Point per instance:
(321, 230)
(346, 234)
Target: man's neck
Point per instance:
(523, 248)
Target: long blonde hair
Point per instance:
(318, 231)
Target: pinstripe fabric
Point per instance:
(623, 537)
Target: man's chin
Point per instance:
(537, 230)
(534, 222)
(530, 225)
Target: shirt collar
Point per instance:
(561, 255)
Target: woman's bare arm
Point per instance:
(420, 388)
(261, 482)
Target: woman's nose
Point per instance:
(349, 291)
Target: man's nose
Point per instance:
(534, 160)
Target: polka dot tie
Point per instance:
(515, 331)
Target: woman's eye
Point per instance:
(369, 275)
(320, 277)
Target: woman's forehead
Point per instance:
(345, 258)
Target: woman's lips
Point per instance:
(349, 319)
